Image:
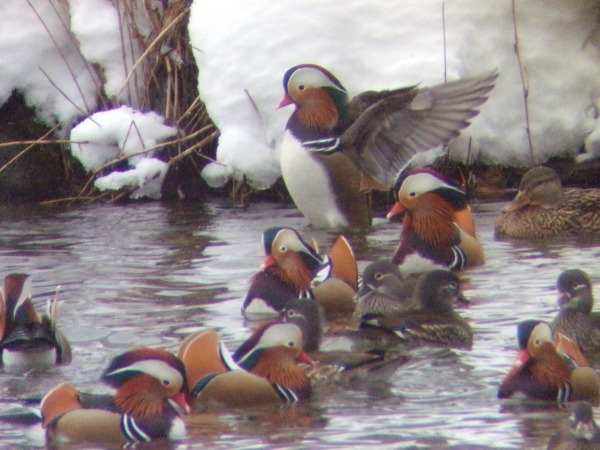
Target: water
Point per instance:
(148, 274)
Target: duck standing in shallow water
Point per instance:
(335, 148)
(543, 208)
(437, 229)
(575, 318)
(28, 339)
(580, 432)
(151, 386)
(540, 372)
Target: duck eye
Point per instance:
(537, 342)
(283, 248)
(291, 343)
(301, 87)
(412, 194)
(166, 382)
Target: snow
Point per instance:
(108, 135)
(50, 72)
(54, 53)
(147, 178)
(101, 41)
(392, 44)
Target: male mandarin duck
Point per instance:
(437, 229)
(541, 372)
(335, 148)
(383, 290)
(434, 322)
(332, 365)
(580, 432)
(150, 397)
(26, 337)
(575, 318)
(292, 267)
(267, 372)
(543, 208)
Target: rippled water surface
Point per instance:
(148, 274)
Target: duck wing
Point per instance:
(398, 124)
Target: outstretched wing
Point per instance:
(408, 121)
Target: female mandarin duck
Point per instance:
(26, 337)
(434, 322)
(267, 372)
(542, 208)
(575, 318)
(437, 229)
(541, 372)
(580, 432)
(150, 398)
(383, 290)
(335, 148)
(292, 266)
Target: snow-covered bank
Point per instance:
(244, 48)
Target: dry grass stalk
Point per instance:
(524, 82)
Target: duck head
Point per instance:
(429, 204)
(540, 186)
(575, 291)
(438, 290)
(148, 381)
(290, 258)
(318, 96)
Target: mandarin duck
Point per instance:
(335, 148)
(268, 373)
(579, 432)
(437, 229)
(434, 321)
(383, 290)
(575, 318)
(340, 336)
(292, 267)
(541, 372)
(543, 208)
(331, 366)
(149, 400)
(26, 337)
(309, 317)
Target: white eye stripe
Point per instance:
(310, 77)
(155, 368)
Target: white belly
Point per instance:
(308, 184)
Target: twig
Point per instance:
(194, 147)
(25, 150)
(64, 94)
(524, 82)
(152, 45)
(63, 57)
(444, 36)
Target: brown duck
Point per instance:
(543, 208)
(575, 318)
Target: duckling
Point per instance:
(576, 319)
(542, 208)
